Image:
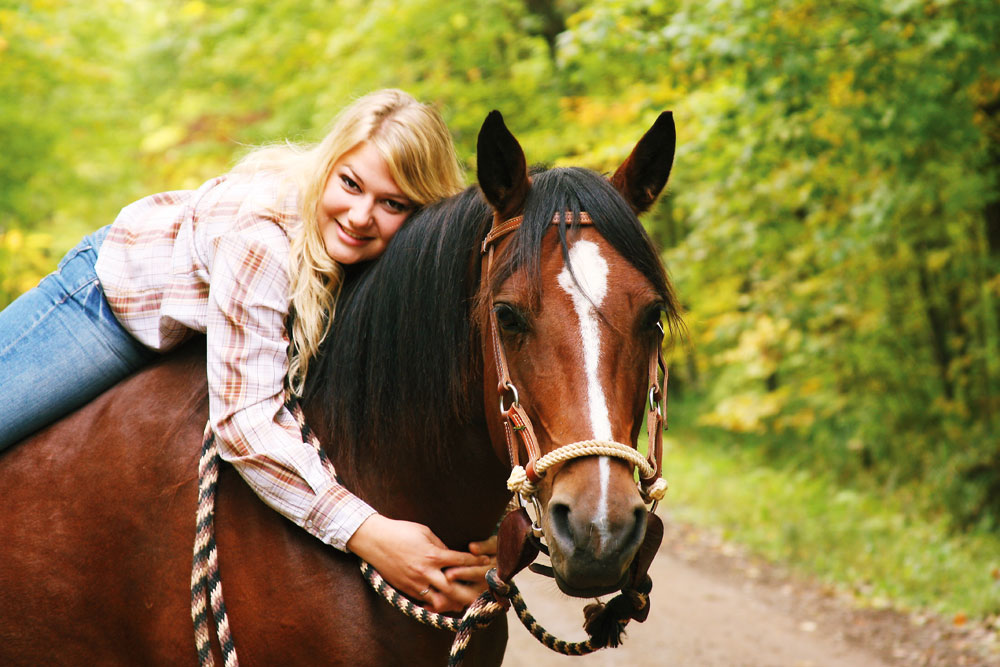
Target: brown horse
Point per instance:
(99, 508)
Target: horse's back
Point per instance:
(99, 516)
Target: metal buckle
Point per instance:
(536, 523)
(653, 403)
(511, 388)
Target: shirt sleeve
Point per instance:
(247, 364)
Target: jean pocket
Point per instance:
(91, 297)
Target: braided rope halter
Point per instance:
(605, 623)
(521, 483)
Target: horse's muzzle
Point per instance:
(591, 555)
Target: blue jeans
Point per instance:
(61, 346)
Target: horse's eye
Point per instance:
(510, 319)
(651, 320)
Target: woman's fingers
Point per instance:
(459, 584)
(438, 582)
(465, 574)
(413, 560)
(474, 574)
(458, 597)
(447, 558)
(485, 547)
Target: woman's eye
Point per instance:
(396, 206)
(509, 319)
(349, 182)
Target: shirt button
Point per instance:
(309, 523)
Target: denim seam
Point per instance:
(69, 295)
(72, 254)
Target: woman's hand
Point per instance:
(412, 559)
(474, 576)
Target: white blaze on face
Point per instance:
(591, 273)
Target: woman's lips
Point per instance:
(350, 237)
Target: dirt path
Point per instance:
(714, 607)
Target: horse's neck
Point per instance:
(461, 503)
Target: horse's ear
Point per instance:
(501, 167)
(643, 175)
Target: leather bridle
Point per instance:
(518, 429)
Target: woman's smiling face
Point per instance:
(362, 208)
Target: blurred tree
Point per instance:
(63, 111)
(834, 167)
(834, 224)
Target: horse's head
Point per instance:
(574, 311)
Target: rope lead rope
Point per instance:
(205, 581)
(481, 613)
(206, 584)
(484, 610)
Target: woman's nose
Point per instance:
(361, 213)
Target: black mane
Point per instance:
(401, 367)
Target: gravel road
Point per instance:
(713, 606)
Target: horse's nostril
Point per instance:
(559, 521)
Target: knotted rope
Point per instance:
(493, 603)
(605, 624)
(520, 481)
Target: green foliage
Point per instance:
(828, 224)
(834, 223)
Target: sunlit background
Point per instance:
(832, 222)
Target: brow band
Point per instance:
(509, 225)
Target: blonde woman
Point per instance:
(238, 259)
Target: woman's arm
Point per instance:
(247, 363)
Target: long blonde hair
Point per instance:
(417, 148)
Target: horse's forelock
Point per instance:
(570, 191)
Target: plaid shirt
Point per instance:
(215, 260)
